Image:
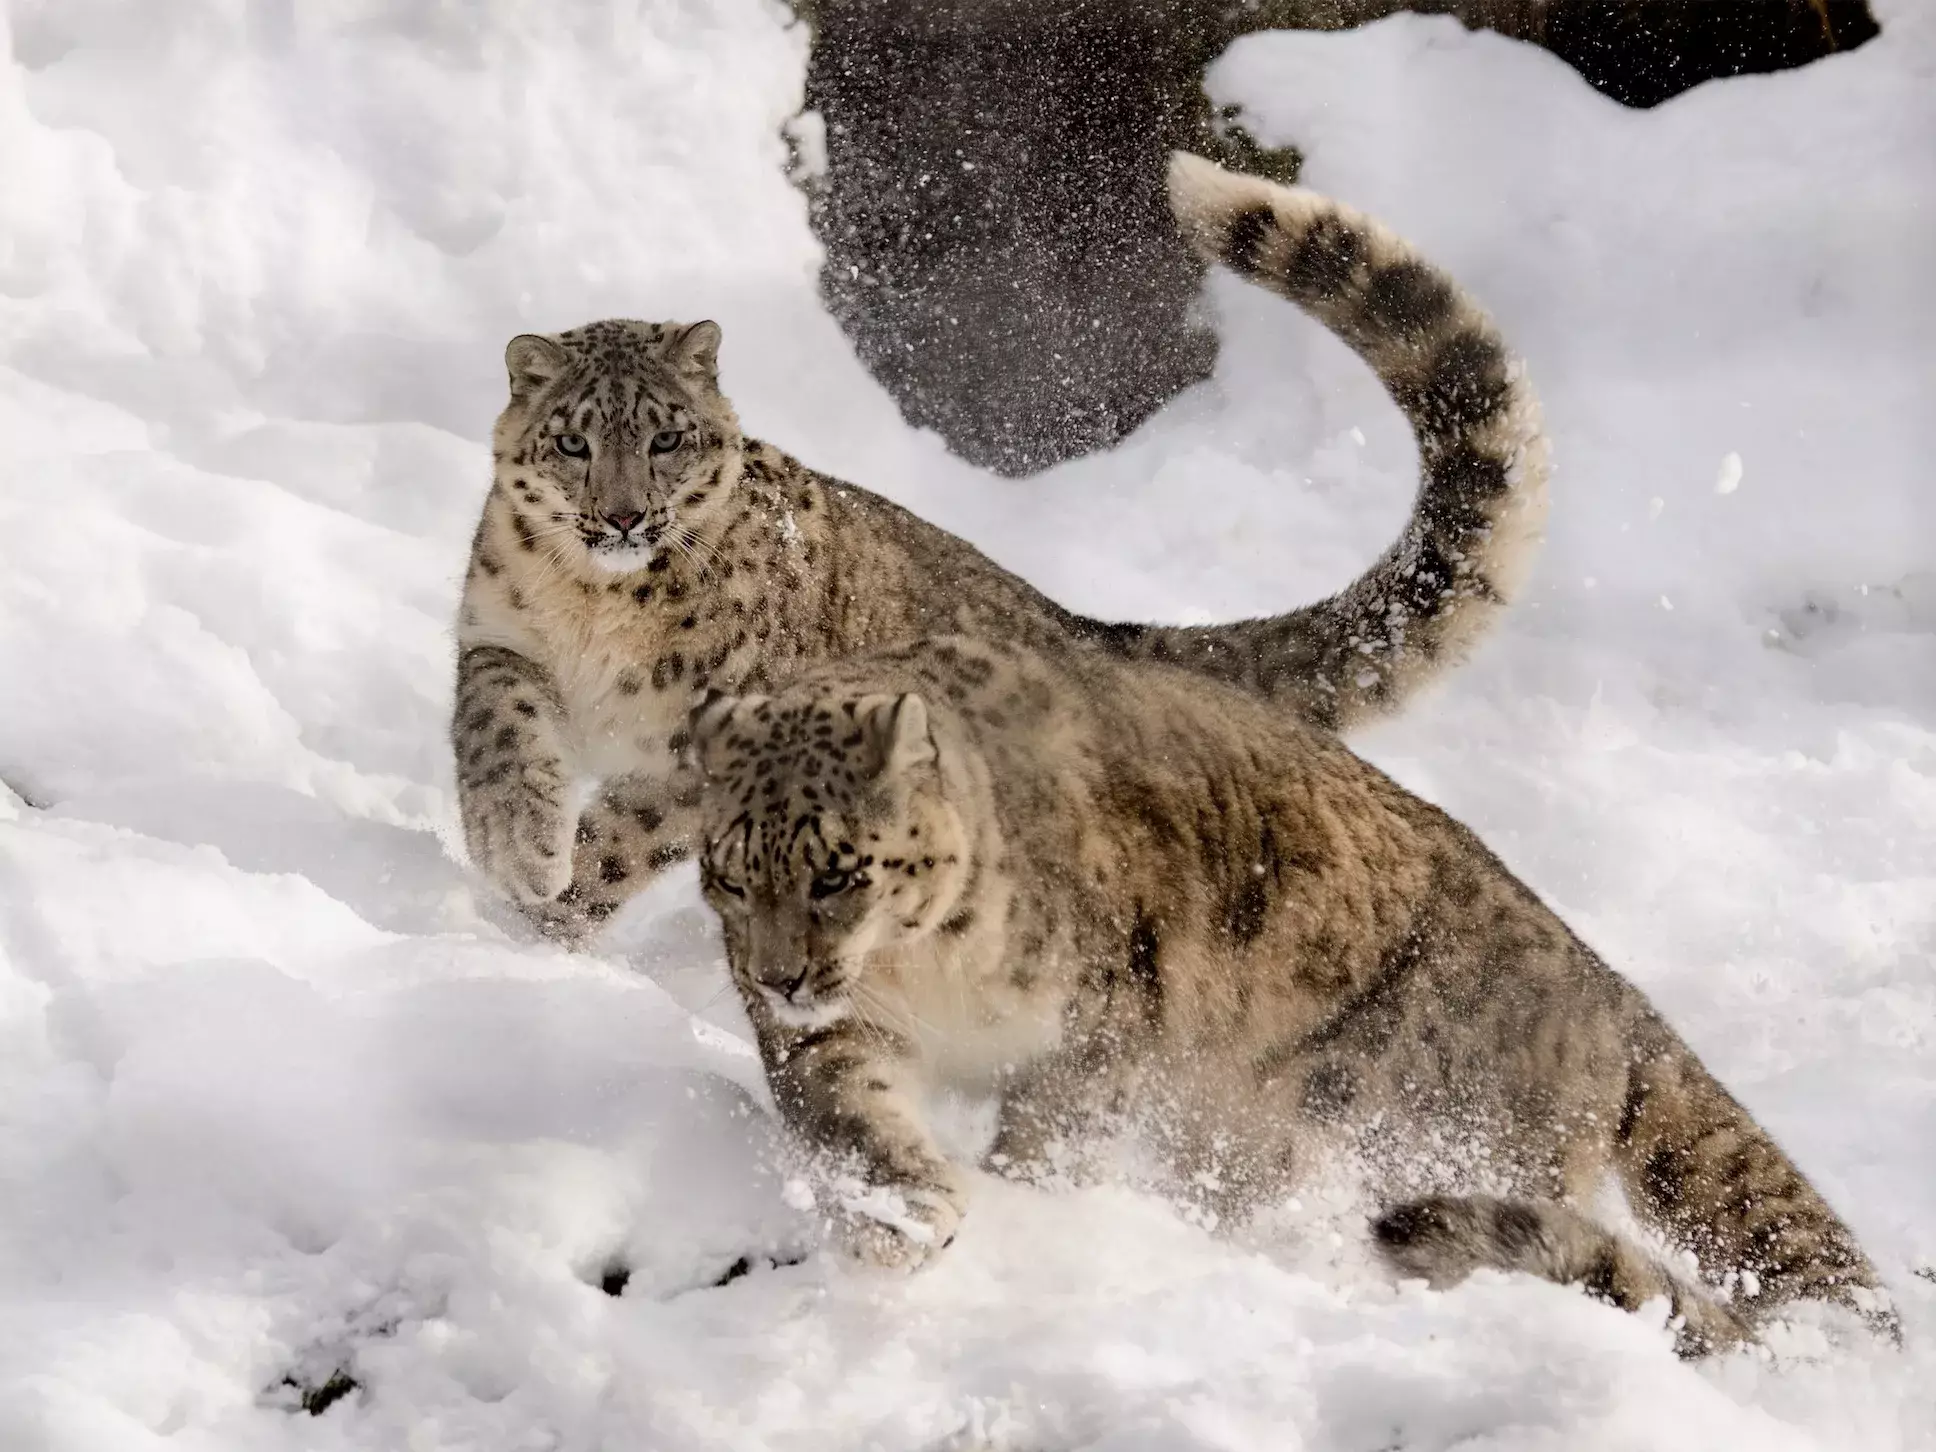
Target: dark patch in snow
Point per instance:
(990, 191)
(318, 1399)
(747, 1264)
(25, 797)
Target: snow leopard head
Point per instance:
(619, 428)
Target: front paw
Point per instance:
(898, 1228)
(567, 919)
(520, 836)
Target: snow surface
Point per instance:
(283, 1093)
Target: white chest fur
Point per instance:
(970, 1019)
(599, 649)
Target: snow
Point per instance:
(284, 1093)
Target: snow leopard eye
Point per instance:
(572, 446)
(835, 880)
(711, 876)
(666, 440)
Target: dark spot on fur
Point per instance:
(1329, 1090)
(612, 869)
(1407, 1224)
(669, 668)
(1630, 1111)
(1247, 909)
(1144, 970)
(1243, 243)
(1406, 300)
(1323, 259)
(665, 854)
(1516, 1227)
(1664, 1177)
(1115, 638)
(1601, 1278)
(1465, 478)
(1369, 1019)
(1465, 383)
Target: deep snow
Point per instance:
(282, 1093)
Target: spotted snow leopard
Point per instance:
(1118, 896)
(636, 548)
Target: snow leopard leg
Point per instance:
(513, 780)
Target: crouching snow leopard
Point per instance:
(1112, 892)
(636, 547)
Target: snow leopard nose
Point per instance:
(623, 522)
(782, 982)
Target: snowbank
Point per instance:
(282, 1096)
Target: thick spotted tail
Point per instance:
(1481, 508)
(1699, 1170)
(1444, 1238)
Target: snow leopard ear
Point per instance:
(695, 349)
(715, 711)
(712, 713)
(532, 360)
(897, 728)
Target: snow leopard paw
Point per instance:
(899, 1229)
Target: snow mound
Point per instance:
(289, 1110)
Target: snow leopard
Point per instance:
(637, 548)
(1117, 897)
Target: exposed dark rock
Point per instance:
(998, 249)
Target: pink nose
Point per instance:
(623, 522)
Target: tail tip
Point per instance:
(1190, 173)
(1204, 196)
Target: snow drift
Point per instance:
(287, 1102)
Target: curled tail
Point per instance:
(1477, 522)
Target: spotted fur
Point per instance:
(1107, 888)
(636, 548)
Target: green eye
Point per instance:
(572, 446)
(829, 883)
(666, 440)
